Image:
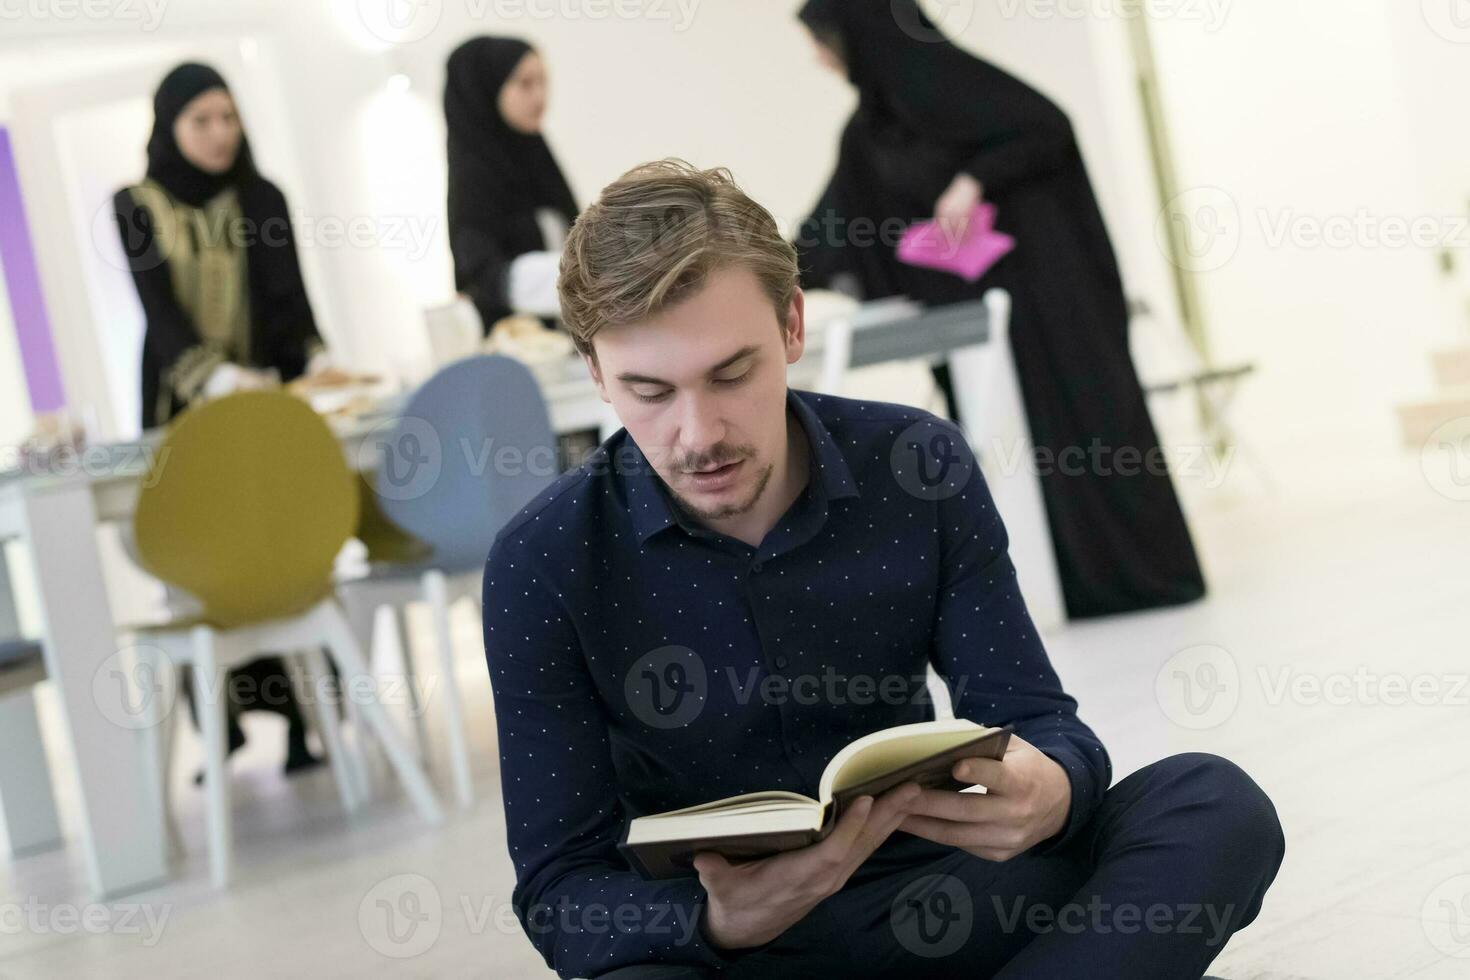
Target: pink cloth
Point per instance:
(925, 244)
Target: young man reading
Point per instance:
(745, 579)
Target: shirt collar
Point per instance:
(651, 511)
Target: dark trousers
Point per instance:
(1177, 859)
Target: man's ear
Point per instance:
(592, 368)
(794, 333)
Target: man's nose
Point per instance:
(700, 427)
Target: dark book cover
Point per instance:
(675, 858)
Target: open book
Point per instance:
(753, 825)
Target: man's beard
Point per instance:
(726, 510)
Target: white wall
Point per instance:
(1293, 115)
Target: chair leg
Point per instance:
(159, 730)
(436, 590)
(344, 649)
(361, 615)
(168, 734)
(410, 677)
(213, 705)
(317, 675)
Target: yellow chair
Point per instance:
(245, 507)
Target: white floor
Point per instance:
(1362, 587)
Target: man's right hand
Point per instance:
(752, 903)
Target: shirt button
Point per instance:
(757, 567)
(780, 663)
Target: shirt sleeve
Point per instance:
(989, 652)
(575, 897)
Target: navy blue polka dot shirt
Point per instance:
(641, 662)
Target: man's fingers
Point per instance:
(958, 834)
(990, 773)
(710, 865)
(946, 804)
(849, 826)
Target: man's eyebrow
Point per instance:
(628, 377)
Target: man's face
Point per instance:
(702, 389)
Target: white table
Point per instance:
(123, 833)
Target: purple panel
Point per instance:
(32, 329)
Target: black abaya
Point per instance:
(498, 177)
(283, 330)
(927, 112)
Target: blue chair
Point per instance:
(472, 447)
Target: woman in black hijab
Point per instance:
(509, 205)
(935, 131)
(213, 254)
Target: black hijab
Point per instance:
(495, 170)
(925, 104)
(166, 163)
(498, 176)
(283, 329)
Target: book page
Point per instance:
(893, 748)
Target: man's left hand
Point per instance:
(1027, 799)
